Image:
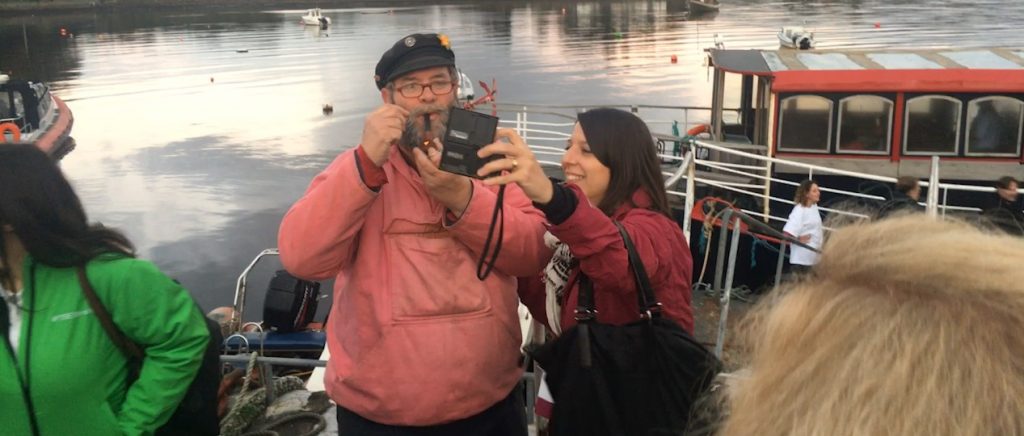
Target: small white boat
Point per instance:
(703, 6)
(796, 37)
(466, 90)
(314, 17)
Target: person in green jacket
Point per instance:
(60, 373)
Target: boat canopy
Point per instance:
(23, 103)
(936, 70)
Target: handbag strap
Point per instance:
(649, 304)
(129, 348)
(646, 301)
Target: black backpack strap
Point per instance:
(648, 303)
(129, 348)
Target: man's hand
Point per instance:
(383, 127)
(452, 190)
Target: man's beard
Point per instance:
(415, 133)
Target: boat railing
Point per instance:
(945, 189)
(725, 271)
(546, 128)
(240, 289)
(937, 202)
(18, 121)
(659, 117)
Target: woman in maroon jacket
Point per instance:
(612, 173)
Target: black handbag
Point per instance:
(636, 379)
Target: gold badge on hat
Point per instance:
(444, 41)
(410, 41)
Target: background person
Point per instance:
(804, 224)
(1006, 213)
(60, 373)
(910, 326)
(612, 175)
(418, 344)
(904, 198)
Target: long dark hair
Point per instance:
(46, 215)
(622, 142)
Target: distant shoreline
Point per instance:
(34, 7)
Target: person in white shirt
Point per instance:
(804, 224)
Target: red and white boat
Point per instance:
(883, 112)
(30, 113)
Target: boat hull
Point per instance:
(799, 41)
(55, 139)
(316, 21)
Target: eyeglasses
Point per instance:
(414, 90)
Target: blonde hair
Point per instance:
(906, 326)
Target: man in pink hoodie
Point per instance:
(417, 342)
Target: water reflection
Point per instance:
(196, 129)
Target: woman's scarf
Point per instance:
(556, 275)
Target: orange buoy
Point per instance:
(698, 129)
(9, 127)
(674, 59)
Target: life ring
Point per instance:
(698, 129)
(9, 127)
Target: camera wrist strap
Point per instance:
(497, 218)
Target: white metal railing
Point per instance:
(546, 127)
(240, 289)
(938, 200)
(652, 114)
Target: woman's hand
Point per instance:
(519, 166)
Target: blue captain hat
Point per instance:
(411, 53)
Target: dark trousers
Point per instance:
(506, 418)
(799, 270)
(796, 272)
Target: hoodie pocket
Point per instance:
(436, 279)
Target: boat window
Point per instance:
(994, 126)
(732, 98)
(805, 124)
(865, 124)
(932, 125)
(11, 106)
(43, 95)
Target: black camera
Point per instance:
(467, 132)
